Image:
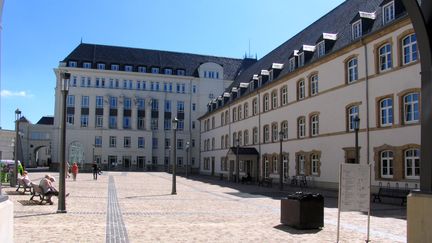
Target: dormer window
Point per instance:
(168, 71)
(181, 72)
(356, 29)
(72, 64)
(291, 65)
(114, 67)
(101, 66)
(141, 69)
(388, 12)
(270, 76)
(301, 59)
(321, 49)
(155, 70)
(128, 68)
(87, 65)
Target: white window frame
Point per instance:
(314, 84)
(386, 160)
(284, 95)
(301, 58)
(99, 121)
(275, 164)
(266, 133)
(302, 165)
(353, 112)
(274, 98)
(352, 70)
(409, 49)
(314, 125)
(385, 57)
(321, 48)
(314, 164)
(411, 108)
(284, 128)
(301, 89)
(388, 12)
(386, 112)
(266, 102)
(255, 135)
(410, 163)
(301, 126)
(356, 29)
(291, 64)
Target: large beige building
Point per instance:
(359, 60)
(122, 101)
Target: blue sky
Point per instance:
(37, 35)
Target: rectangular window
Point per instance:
(314, 85)
(126, 122)
(114, 67)
(168, 71)
(99, 121)
(167, 105)
(141, 142)
(72, 64)
(388, 12)
(141, 104)
(113, 142)
(113, 102)
(154, 123)
(98, 141)
(84, 120)
(141, 123)
(291, 64)
(181, 72)
(127, 103)
(180, 125)
(83, 82)
(409, 49)
(321, 48)
(193, 107)
(87, 65)
(356, 30)
(194, 89)
(70, 101)
(127, 142)
(154, 70)
(141, 69)
(301, 59)
(386, 112)
(155, 104)
(180, 106)
(128, 68)
(84, 101)
(113, 122)
(167, 124)
(88, 81)
(180, 143)
(70, 118)
(101, 66)
(167, 143)
(352, 70)
(385, 57)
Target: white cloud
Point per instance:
(7, 93)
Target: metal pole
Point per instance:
(187, 158)
(238, 162)
(174, 191)
(356, 147)
(280, 163)
(62, 181)
(13, 181)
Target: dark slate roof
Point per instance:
(243, 151)
(153, 58)
(23, 119)
(46, 120)
(336, 21)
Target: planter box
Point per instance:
(304, 212)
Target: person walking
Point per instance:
(74, 170)
(95, 171)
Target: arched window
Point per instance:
(266, 102)
(275, 164)
(266, 134)
(352, 70)
(386, 164)
(301, 127)
(412, 164)
(386, 112)
(314, 124)
(255, 106)
(246, 110)
(255, 135)
(275, 132)
(284, 95)
(313, 84)
(274, 99)
(246, 137)
(353, 112)
(409, 49)
(300, 90)
(284, 128)
(385, 57)
(314, 164)
(411, 108)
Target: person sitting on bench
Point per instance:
(247, 178)
(25, 178)
(48, 188)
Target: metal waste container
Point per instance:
(303, 210)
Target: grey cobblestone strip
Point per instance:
(115, 229)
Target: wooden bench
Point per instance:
(266, 182)
(22, 184)
(392, 193)
(38, 191)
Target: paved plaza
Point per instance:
(139, 207)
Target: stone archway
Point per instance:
(40, 158)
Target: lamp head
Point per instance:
(356, 123)
(174, 123)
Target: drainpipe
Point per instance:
(367, 101)
(190, 128)
(259, 136)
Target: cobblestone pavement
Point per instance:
(139, 207)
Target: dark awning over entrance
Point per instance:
(243, 151)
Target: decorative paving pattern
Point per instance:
(115, 228)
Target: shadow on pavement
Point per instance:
(293, 231)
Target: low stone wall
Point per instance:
(6, 221)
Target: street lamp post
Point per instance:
(187, 158)
(281, 134)
(174, 126)
(13, 180)
(356, 129)
(64, 86)
(237, 161)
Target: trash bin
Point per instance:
(303, 210)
